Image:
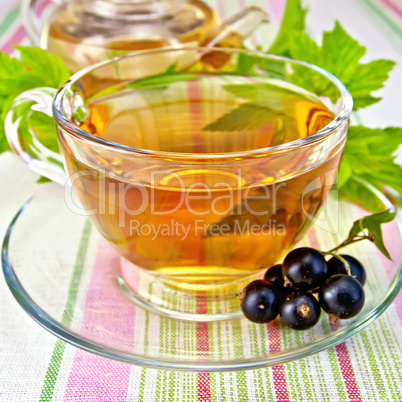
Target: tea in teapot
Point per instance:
(85, 32)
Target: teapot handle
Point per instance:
(31, 21)
(234, 30)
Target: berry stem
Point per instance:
(351, 241)
(344, 262)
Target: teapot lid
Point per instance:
(133, 9)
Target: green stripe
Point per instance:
(164, 345)
(336, 371)
(388, 22)
(159, 376)
(320, 375)
(373, 364)
(9, 20)
(303, 369)
(146, 343)
(261, 350)
(392, 344)
(142, 384)
(58, 351)
(241, 381)
(362, 365)
(173, 376)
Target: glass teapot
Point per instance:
(84, 32)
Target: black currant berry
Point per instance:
(305, 268)
(274, 276)
(261, 302)
(300, 311)
(342, 296)
(336, 266)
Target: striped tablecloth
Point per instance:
(35, 366)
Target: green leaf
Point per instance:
(293, 22)
(339, 54)
(49, 69)
(358, 193)
(172, 68)
(267, 94)
(366, 79)
(390, 175)
(369, 154)
(246, 117)
(161, 80)
(344, 174)
(372, 224)
(45, 130)
(4, 146)
(304, 48)
(14, 78)
(42, 180)
(251, 65)
(340, 51)
(268, 102)
(37, 68)
(380, 141)
(166, 77)
(5, 103)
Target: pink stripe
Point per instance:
(312, 238)
(278, 372)
(203, 387)
(342, 354)
(276, 9)
(393, 7)
(16, 38)
(203, 379)
(221, 9)
(110, 318)
(202, 327)
(194, 95)
(347, 373)
(43, 6)
(392, 240)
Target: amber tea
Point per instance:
(85, 33)
(202, 222)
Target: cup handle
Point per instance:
(28, 134)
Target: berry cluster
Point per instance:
(305, 282)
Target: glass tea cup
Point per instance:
(200, 167)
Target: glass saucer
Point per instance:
(68, 279)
